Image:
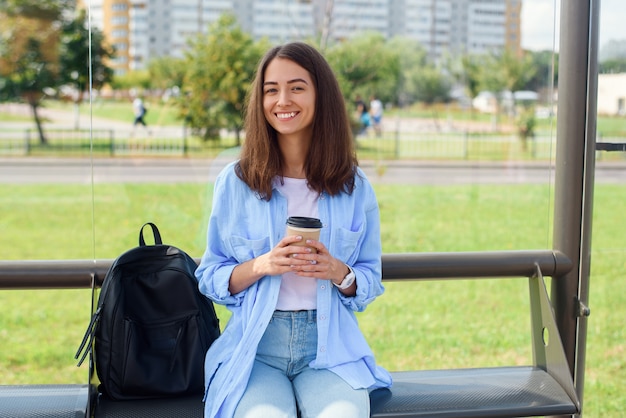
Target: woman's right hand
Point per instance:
(279, 260)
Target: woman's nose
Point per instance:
(284, 98)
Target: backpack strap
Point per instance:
(155, 232)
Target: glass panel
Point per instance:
(605, 338)
(449, 176)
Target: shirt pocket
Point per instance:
(245, 249)
(346, 244)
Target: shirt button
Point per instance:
(323, 349)
(323, 287)
(322, 317)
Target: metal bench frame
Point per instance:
(543, 388)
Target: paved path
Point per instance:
(32, 170)
(62, 119)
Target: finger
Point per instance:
(288, 240)
(317, 245)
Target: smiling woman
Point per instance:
(293, 306)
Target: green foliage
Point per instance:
(78, 61)
(419, 79)
(471, 74)
(137, 79)
(166, 72)
(613, 66)
(545, 64)
(220, 68)
(505, 71)
(43, 51)
(37, 9)
(30, 74)
(366, 65)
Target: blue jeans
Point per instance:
(283, 385)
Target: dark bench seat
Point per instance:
(44, 401)
(486, 392)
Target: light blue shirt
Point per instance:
(243, 226)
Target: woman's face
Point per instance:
(288, 98)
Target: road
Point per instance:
(31, 170)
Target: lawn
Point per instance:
(166, 113)
(417, 325)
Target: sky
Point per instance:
(538, 23)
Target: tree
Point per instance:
(503, 72)
(166, 73)
(47, 10)
(220, 68)
(366, 65)
(613, 66)
(29, 54)
(412, 60)
(420, 79)
(471, 76)
(546, 75)
(81, 64)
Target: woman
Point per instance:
(292, 345)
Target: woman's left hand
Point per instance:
(321, 265)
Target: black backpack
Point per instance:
(152, 326)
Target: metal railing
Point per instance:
(73, 274)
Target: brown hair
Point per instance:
(331, 161)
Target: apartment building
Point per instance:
(141, 30)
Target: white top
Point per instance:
(297, 292)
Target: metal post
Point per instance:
(574, 176)
(112, 142)
(27, 141)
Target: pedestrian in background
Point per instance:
(376, 113)
(140, 111)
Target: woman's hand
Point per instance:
(322, 266)
(283, 258)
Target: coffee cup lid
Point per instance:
(304, 222)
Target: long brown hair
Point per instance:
(331, 161)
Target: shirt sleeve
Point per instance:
(218, 262)
(366, 260)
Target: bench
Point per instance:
(539, 389)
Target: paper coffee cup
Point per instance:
(308, 228)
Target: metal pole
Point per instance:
(576, 126)
(80, 274)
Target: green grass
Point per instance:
(417, 325)
(8, 117)
(159, 113)
(165, 114)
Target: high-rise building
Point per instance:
(141, 30)
(459, 26)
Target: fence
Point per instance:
(456, 146)
(391, 145)
(159, 141)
